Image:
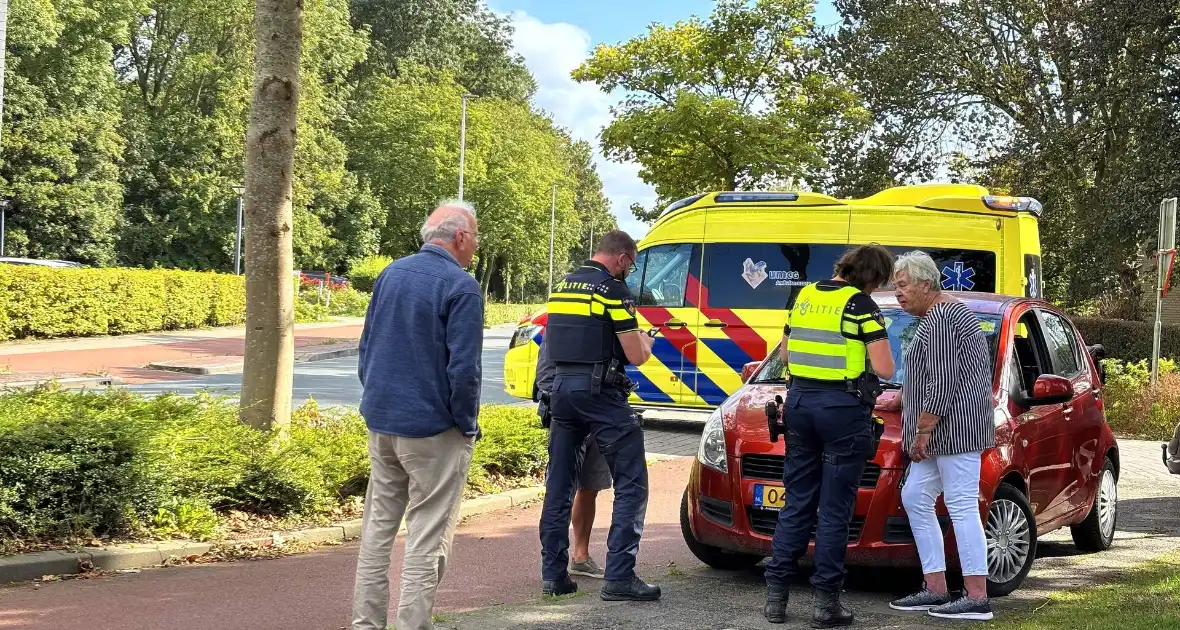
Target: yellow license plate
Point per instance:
(770, 497)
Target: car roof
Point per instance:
(985, 303)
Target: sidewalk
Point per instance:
(127, 357)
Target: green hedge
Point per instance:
(495, 314)
(82, 464)
(43, 302)
(1127, 340)
(1134, 407)
(363, 273)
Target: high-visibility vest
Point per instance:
(816, 347)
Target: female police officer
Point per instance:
(591, 334)
(834, 331)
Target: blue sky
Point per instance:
(555, 37)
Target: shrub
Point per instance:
(81, 464)
(495, 314)
(363, 273)
(43, 302)
(1134, 407)
(1128, 340)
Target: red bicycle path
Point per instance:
(116, 357)
(496, 560)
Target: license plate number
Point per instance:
(770, 497)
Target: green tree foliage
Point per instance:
(461, 37)
(733, 102)
(61, 148)
(1071, 102)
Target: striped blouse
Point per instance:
(948, 372)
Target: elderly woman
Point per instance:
(946, 405)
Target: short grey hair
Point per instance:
(919, 267)
(451, 224)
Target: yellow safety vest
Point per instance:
(816, 347)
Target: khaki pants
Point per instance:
(422, 479)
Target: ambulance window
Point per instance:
(665, 275)
(764, 275)
(962, 269)
(635, 280)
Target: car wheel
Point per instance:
(1011, 536)
(715, 557)
(1096, 533)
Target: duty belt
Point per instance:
(811, 383)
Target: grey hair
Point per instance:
(446, 229)
(920, 267)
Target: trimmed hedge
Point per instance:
(362, 274)
(1127, 340)
(114, 464)
(43, 302)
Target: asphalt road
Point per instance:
(335, 382)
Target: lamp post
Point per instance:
(239, 191)
(463, 140)
(3, 217)
(552, 223)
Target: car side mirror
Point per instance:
(748, 370)
(1098, 353)
(1050, 389)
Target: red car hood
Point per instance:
(746, 431)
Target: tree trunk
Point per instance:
(270, 162)
(486, 280)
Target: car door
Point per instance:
(1039, 430)
(662, 286)
(1082, 420)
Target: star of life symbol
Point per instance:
(958, 277)
(1033, 287)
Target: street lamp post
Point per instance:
(3, 218)
(239, 191)
(463, 140)
(552, 223)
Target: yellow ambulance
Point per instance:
(717, 270)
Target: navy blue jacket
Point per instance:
(420, 348)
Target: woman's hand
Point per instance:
(890, 404)
(918, 452)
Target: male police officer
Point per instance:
(592, 333)
(593, 475)
(834, 330)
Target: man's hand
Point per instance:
(918, 452)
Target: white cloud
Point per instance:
(552, 52)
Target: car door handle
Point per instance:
(1067, 410)
(716, 323)
(674, 323)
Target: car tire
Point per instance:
(1011, 534)
(1096, 532)
(715, 557)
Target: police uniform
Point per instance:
(829, 428)
(593, 474)
(587, 312)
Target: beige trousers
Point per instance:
(422, 479)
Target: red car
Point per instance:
(1055, 464)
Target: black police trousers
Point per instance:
(607, 416)
(829, 439)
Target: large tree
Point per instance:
(733, 102)
(270, 178)
(1063, 100)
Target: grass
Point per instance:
(1147, 599)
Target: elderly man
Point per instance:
(420, 369)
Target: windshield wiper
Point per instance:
(772, 381)
(890, 385)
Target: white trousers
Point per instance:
(427, 476)
(957, 478)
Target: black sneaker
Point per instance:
(964, 608)
(921, 601)
(633, 590)
(555, 588)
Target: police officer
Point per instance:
(592, 333)
(834, 331)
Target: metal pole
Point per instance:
(1167, 245)
(238, 244)
(3, 212)
(591, 248)
(462, 143)
(552, 223)
(3, 49)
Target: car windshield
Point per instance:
(901, 327)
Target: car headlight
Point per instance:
(523, 335)
(711, 452)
